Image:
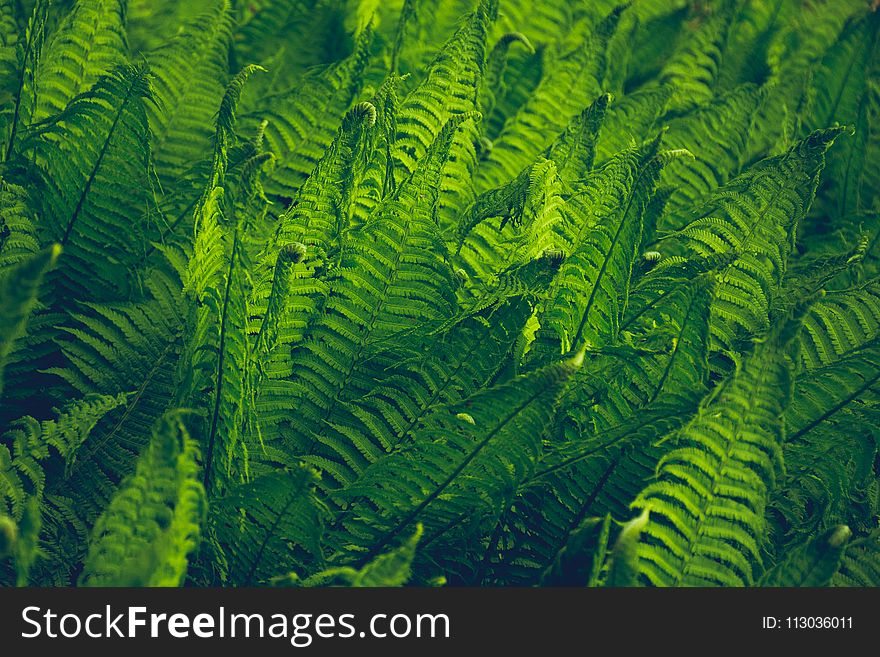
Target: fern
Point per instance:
(484, 292)
(708, 502)
(153, 522)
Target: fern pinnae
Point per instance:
(89, 44)
(217, 352)
(154, 522)
(27, 58)
(471, 440)
(707, 503)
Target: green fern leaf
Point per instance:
(21, 472)
(89, 44)
(707, 504)
(268, 526)
(19, 59)
(755, 216)
(94, 160)
(462, 462)
(153, 522)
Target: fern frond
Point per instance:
(717, 136)
(94, 160)
(755, 216)
(707, 504)
(631, 120)
(22, 472)
(18, 237)
(589, 294)
(188, 75)
(303, 119)
(393, 568)
(90, 43)
(216, 367)
(464, 460)
(859, 566)
(392, 273)
(19, 59)
(268, 526)
(572, 79)
(839, 323)
(152, 524)
(839, 94)
(693, 69)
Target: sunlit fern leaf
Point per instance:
(377, 180)
(462, 462)
(514, 73)
(623, 562)
(267, 527)
(572, 79)
(188, 75)
(717, 136)
(216, 368)
(860, 565)
(707, 503)
(18, 238)
(394, 568)
(392, 272)
(320, 210)
(542, 23)
(89, 44)
(303, 118)
(754, 216)
(839, 94)
(589, 294)
(449, 88)
(19, 57)
(19, 287)
(94, 185)
(839, 323)
(23, 470)
(525, 211)
(152, 524)
(693, 69)
(813, 564)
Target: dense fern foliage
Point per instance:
(340, 292)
